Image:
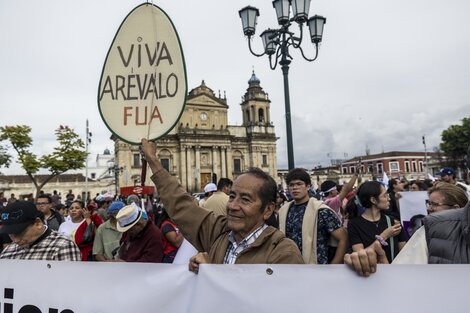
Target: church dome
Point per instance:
(253, 79)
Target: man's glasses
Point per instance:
(42, 203)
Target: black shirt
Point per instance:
(363, 231)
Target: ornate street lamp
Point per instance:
(276, 43)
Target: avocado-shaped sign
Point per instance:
(143, 85)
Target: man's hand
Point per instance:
(200, 258)
(149, 149)
(364, 262)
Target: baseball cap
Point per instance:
(115, 207)
(446, 171)
(210, 187)
(16, 216)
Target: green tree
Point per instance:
(69, 154)
(455, 141)
(5, 157)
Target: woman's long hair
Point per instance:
(356, 205)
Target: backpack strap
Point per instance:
(392, 241)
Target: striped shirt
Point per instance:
(50, 246)
(235, 249)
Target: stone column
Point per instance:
(229, 163)
(197, 167)
(223, 156)
(183, 167)
(214, 157)
(268, 114)
(189, 169)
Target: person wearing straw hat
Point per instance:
(141, 240)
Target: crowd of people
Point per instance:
(101, 229)
(247, 221)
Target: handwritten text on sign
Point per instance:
(143, 85)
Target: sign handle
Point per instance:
(143, 174)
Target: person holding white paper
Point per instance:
(444, 238)
(372, 200)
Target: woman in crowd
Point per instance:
(368, 223)
(81, 228)
(172, 238)
(70, 225)
(445, 196)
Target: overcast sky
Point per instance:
(388, 71)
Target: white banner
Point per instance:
(69, 287)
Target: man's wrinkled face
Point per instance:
(244, 206)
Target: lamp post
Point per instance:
(87, 142)
(115, 169)
(425, 157)
(277, 42)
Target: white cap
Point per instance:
(210, 187)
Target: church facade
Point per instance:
(203, 148)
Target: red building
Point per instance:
(395, 164)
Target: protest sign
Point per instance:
(412, 203)
(143, 85)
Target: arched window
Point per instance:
(261, 118)
(237, 161)
(165, 158)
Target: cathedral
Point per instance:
(203, 148)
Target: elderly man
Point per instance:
(141, 240)
(32, 240)
(242, 236)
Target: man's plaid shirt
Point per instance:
(235, 249)
(50, 246)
